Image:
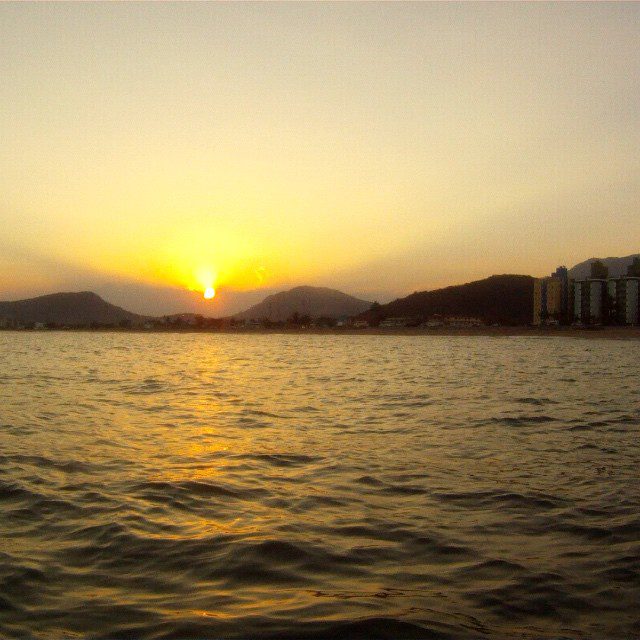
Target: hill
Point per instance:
(505, 299)
(69, 309)
(617, 267)
(316, 302)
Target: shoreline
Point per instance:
(606, 333)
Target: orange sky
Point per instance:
(378, 148)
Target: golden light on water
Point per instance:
(209, 293)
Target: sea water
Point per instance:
(307, 486)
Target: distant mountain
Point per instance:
(313, 301)
(505, 299)
(70, 309)
(617, 267)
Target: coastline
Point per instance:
(603, 333)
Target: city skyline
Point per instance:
(373, 148)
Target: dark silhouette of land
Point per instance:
(504, 299)
(314, 302)
(82, 309)
(616, 267)
(498, 305)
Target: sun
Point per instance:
(205, 280)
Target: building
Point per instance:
(592, 296)
(590, 301)
(551, 298)
(390, 323)
(461, 322)
(627, 300)
(611, 301)
(603, 300)
(628, 295)
(595, 300)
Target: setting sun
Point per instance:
(324, 278)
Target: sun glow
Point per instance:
(207, 258)
(205, 280)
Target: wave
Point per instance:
(204, 486)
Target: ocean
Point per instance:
(318, 486)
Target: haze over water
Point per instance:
(234, 486)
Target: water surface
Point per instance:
(235, 486)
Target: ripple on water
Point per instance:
(212, 486)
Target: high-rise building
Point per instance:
(590, 299)
(594, 300)
(603, 300)
(551, 298)
(633, 270)
(627, 300)
(599, 270)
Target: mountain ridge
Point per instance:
(503, 299)
(617, 266)
(305, 300)
(77, 309)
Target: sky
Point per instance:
(148, 151)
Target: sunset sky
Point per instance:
(378, 148)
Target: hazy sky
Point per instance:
(378, 148)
